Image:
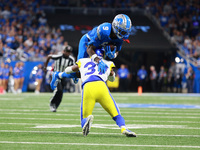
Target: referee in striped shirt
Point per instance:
(61, 62)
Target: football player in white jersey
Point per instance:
(96, 90)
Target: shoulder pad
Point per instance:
(103, 30)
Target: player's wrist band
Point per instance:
(115, 55)
(93, 57)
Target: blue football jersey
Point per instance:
(100, 36)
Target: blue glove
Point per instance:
(109, 53)
(102, 67)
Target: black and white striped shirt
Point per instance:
(61, 62)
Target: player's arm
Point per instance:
(72, 69)
(101, 65)
(92, 54)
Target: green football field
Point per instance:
(161, 121)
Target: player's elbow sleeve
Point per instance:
(69, 70)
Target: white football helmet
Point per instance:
(121, 26)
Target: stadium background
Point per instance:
(164, 31)
(154, 38)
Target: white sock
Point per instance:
(123, 127)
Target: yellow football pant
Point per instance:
(97, 91)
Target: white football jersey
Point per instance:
(88, 68)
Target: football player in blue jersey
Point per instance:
(95, 90)
(104, 35)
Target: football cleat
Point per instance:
(128, 133)
(54, 81)
(52, 107)
(87, 125)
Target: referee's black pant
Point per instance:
(58, 92)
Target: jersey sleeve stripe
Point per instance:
(98, 33)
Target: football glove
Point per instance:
(102, 67)
(109, 53)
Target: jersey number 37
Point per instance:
(91, 68)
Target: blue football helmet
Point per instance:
(121, 26)
(100, 52)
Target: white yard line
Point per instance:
(39, 95)
(10, 99)
(105, 126)
(105, 120)
(78, 95)
(131, 116)
(162, 113)
(67, 106)
(22, 110)
(100, 144)
(13, 118)
(100, 111)
(96, 133)
(176, 95)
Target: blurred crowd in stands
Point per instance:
(26, 36)
(181, 20)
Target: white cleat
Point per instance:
(87, 125)
(129, 133)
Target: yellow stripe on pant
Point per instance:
(97, 91)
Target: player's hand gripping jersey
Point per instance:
(89, 70)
